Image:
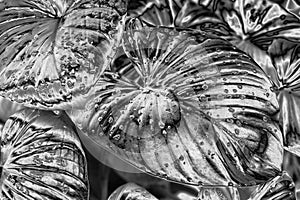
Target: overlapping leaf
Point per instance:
(286, 75)
(42, 158)
(51, 52)
(131, 191)
(249, 24)
(188, 107)
(178, 13)
(280, 188)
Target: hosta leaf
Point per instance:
(225, 193)
(52, 52)
(255, 24)
(101, 154)
(131, 191)
(177, 13)
(279, 188)
(286, 75)
(189, 108)
(250, 25)
(42, 158)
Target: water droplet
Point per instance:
(237, 131)
(265, 119)
(164, 132)
(117, 137)
(161, 124)
(231, 109)
(267, 94)
(205, 87)
(110, 119)
(181, 158)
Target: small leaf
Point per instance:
(131, 191)
(42, 158)
(52, 52)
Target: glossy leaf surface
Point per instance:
(131, 191)
(250, 25)
(291, 165)
(279, 188)
(286, 75)
(42, 158)
(52, 52)
(189, 108)
(225, 193)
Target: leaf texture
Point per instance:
(42, 158)
(250, 25)
(225, 193)
(286, 76)
(131, 191)
(52, 51)
(187, 107)
(279, 188)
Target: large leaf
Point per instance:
(42, 158)
(280, 188)
(189, 108)
(286, 75)
(51, 52)
(131, 191)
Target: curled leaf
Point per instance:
(42, 158)
(131, 191)
(52, 52)
(279, 188)
(188, 107)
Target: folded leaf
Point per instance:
(189, 108)
(52, 52)
(42, 158)
(131, 191)
(286, 76)
(279, 188)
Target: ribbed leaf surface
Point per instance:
(42, 158)
(280, 188)
(188, 107)
(52, 51)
